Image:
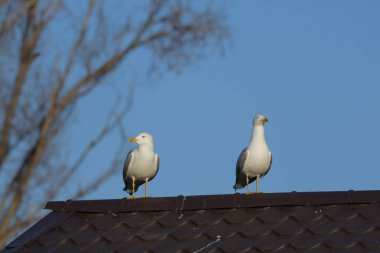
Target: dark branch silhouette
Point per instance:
(48, 65)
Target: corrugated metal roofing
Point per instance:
(271, 222)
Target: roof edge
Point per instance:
(226, 201)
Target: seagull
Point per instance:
(141, 164)
(256, 159)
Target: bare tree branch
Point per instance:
(26, 58)
(13, 18)
(54, 71)
(114, 166)
(110, 125)
(70, 62)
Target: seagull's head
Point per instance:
(260, 120)
(143, 138)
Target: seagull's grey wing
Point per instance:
(127, 164)
(240, 178)
(157, 161)
(241, 161)
(270, 164)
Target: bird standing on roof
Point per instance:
(256, 159)
(141, 164)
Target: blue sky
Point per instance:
(312, 67)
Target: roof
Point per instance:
(282, 222)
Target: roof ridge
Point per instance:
(223, 201)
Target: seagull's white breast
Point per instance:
(258, 159)
(143, 164)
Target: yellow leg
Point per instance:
(247, 181)
(133, 188)
(146, 187)
(257, 184)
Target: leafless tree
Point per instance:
(53, 53)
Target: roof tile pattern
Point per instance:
(218, 223)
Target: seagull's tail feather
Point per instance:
(128, 186)
(128, 190)
(238, 186)
(241, 182)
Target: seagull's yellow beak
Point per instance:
(132, 140)
(266, 119)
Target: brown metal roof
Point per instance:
(271, 222)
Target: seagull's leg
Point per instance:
(133, 188)
(247, 181)
(257, 184)
(146, 187)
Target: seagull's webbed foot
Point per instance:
(249, 192)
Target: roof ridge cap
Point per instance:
(223, 201)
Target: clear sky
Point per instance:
(311, 67)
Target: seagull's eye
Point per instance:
(143, 136)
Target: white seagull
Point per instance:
(141, 164)
(255, 160)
